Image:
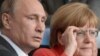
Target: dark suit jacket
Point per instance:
(6, 49)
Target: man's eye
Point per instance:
(31, 18)
(43, 20)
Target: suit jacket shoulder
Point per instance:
(6, 49)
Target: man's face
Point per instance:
(86, 41)
(28, 23)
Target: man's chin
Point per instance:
(36, 45)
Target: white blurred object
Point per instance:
(98, 40)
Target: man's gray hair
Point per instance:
(6, 7)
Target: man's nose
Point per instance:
(40, 27)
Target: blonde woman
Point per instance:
(73, 32)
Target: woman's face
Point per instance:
(86, 41)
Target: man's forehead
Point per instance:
(23, 3)
(26, 4)
(27, 1)
(29, 7)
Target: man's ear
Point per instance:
(5, 20)
(60, 39)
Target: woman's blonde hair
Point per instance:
(72, 14)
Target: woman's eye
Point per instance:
(94, 33)
(80, 33)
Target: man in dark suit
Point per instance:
(22, 24)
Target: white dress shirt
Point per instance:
(19, 51)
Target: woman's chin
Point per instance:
(85, 52)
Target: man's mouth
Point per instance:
(38, 39)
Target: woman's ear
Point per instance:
(5, 20)
(60, 39)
